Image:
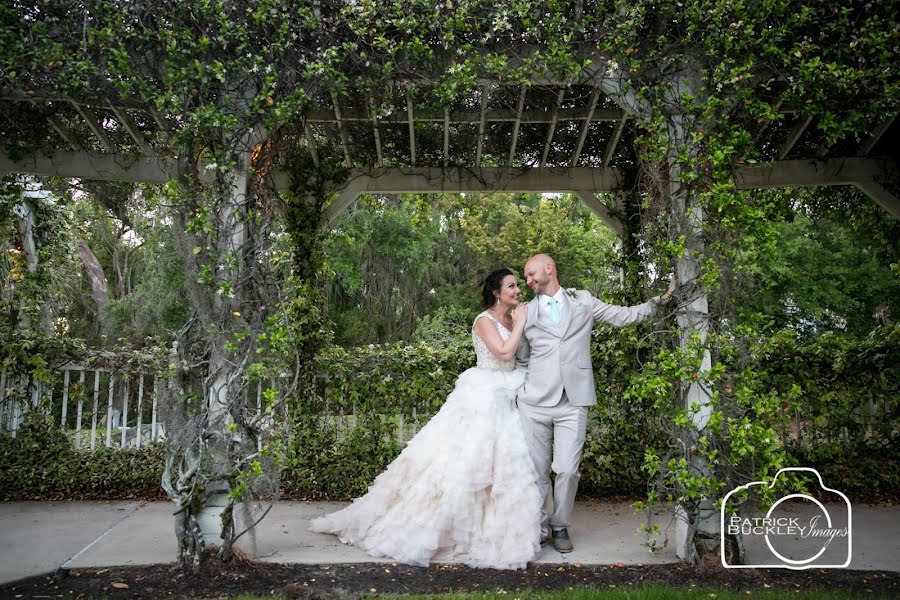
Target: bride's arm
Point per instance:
(504, 350)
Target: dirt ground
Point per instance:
(345, 582)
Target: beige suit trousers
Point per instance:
(555, 436)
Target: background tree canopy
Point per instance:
(410, 267)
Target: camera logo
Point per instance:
(798, 531)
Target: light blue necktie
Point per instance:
(554, 310)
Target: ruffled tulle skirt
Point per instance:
(463, 490)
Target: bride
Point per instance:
(463, 489)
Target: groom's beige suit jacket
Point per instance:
(558, 357)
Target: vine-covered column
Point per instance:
(223, 234)
(312, 188)
(697, 525)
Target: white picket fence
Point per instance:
(93, 405)
(118, 407)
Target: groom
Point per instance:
(559, 383)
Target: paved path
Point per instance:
(39, 537)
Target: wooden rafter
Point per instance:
(551, 129)
(582, 135)
(379, 159)
(61, 130)
(516, 125)
(446, 160)
(485, 92)
(870, 143)
(776, 107)
(793, 137)
(311, 144)
(824, 148)
(614, 140)
(412, 129)
(598, 208)
(95, 127)
(159, 119)
(474, 118)
(342, 131)
(64, 133)
(131, 127)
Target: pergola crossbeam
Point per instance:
(412, 129)
(379, 158)
(793, 137)
(551, 129)
(516, 124)
(868, 174)
(873, 139)
(483, 181)
(132, 128)
(807, 173)
(311, 144)
(473, 118)
(95, 127)
(485, 92)
(614, 140)
(342, 131)
(87, 165)
(582, 135)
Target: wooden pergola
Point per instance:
(543, 136)
(548, 137)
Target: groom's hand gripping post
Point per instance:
(673, 285)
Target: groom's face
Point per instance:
(537, 276)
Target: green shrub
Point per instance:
(325, 463)
(40, 463)
(345, 433)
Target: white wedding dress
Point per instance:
(463, 490)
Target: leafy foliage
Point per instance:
(841, 392)
(40, 463)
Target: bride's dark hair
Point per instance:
(492, 284)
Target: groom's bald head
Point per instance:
(540, 274)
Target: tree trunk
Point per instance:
(99, 285)
(25, 211)
(206, 447)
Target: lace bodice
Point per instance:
(485, 359)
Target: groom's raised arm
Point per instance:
(623, 316)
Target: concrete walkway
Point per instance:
(39, 537)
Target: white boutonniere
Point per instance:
(573, 294)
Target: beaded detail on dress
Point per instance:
(485, 359)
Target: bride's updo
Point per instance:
(492, 284)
